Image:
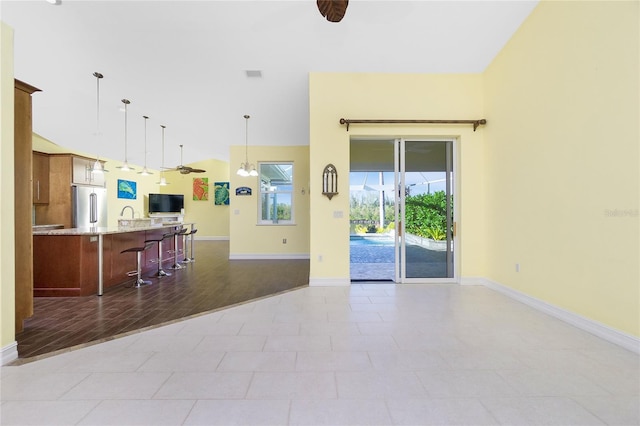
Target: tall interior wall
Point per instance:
(562, 160)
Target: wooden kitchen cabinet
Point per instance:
(64, 171)
(40, 178)
(66, 262)
(23, 199)
(82, 172)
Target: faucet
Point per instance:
(127, 207)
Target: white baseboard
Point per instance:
(9, 353)
(603, 331)
(472, 281)
(210, 238)
(329, 282)
(285, 256)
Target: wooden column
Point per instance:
(23, 201)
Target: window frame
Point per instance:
(262, 192)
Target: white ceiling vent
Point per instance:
(254, 73)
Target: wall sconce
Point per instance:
(330, 181)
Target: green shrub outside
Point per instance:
(426, 215)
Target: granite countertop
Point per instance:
(105, 230)
(50, 226)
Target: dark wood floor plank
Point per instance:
(210, 283)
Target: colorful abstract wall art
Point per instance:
(200, 189)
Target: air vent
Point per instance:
(254, 73)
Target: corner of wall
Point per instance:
(7, 212)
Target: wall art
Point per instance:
(200, 189)
(127, 189)
(221, 193)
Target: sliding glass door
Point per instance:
(402, 210)
(424, 211)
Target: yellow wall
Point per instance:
(7, 236)
(211, 221)
(562, 160)
(249, 240)
(391, 96)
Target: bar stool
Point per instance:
(178, 233)
(138, 272)
(184, 244)
(161, 272)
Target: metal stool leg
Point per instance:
(139, 281)
(186, 258)
(176, 262)
(138, 272)
(193, 257)
(161, 272)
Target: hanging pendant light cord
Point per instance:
(246, 141)
(162, 169)
(145, 141)
(98, 77)
(126, 102)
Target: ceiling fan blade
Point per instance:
(333, 10)
(185, 170)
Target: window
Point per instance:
(276, 193)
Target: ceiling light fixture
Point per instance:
(247, 169)
(163, 180)
(125, 167)
(97, 167)
(55, 2)
(144, 171)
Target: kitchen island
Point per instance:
(85, 261)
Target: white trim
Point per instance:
(603, 331)
(210, 238)
(472, 281)
(329, 282)
(9, 353)
(285, 256)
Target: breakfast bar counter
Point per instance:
(85, 261)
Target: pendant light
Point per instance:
(144, 171)
(163, 180)
(97, 167)
(125, 167)
(247, 169)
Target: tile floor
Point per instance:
(374, 354)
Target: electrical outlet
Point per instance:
(284, 241)
(319, 258)
(517, 267)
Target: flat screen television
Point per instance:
(166, 203)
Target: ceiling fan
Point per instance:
(185, 170)
(333, 10)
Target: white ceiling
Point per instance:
(183, 64)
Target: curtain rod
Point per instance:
(475, 123)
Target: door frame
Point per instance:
(399, 163)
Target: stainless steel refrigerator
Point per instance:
(89, 206)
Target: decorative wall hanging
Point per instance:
(200, 189)
(221, 193)
(330, 181)
(127, 189)
(243, 190)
